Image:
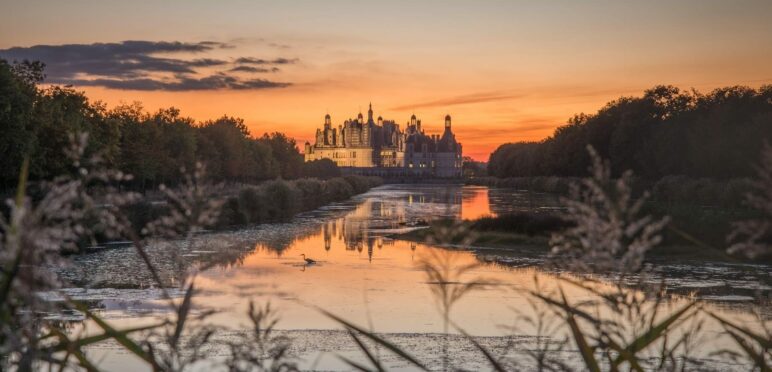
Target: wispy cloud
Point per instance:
(461, 100)
(253, 69)
(218, 81)
(138, 65)
(260, 61)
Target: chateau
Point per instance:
(380, 147)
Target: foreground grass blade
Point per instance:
(85, 341)
(388, 345)
(182, 314)
(493, 361)
(355, 365)
(581, 342)
(367, 352)
(568, 309)
(758, 358)
(83, 361)
(652, 334)
(119, 336)
(763, 341)
(624, 355)
(72, 348)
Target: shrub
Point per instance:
(251, 204)
(360, 184)
(311, 190)
(522, 223)
(321, 168)
(702, 191)
(232, 213)
(282, 199)
(337, 189)
(143, 212)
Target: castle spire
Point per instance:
(370, 113)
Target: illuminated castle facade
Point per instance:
(380, 147)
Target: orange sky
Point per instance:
(505, 70)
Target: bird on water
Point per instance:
(308, 260)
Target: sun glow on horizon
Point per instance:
(505, 71)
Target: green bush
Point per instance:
(321, 168)
(312, 192)
(252, 205)
(701, 191)
(232, 214)
(280, 200)
(337, 189)
(360, 184)
(522, 223)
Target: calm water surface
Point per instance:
(366, 277)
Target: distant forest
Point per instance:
(36, 122)
(667, 131)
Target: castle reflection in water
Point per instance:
(361, 225)
(366, 228)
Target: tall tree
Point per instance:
(286, 152)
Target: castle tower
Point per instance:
(327, 121)
(370, 113)
(447, 122)
(366, 129)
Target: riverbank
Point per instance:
(669, 189)
(513, 243)
(530, 233)
(279, 200)
(268, 202)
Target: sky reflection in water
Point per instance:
(362, 274)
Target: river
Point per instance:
(368, 278)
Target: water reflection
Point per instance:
(361, 273)
(363, 226)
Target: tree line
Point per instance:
(667, 131)
(37, 122)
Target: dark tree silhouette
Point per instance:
(665, 132)
(321, 168)
(36, 123)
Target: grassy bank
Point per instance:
(529, 231)
(279, 200)
(271, 201)
(728, 193)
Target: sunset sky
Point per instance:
(505, 70)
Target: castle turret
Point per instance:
(447, 122)
(370, 113)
